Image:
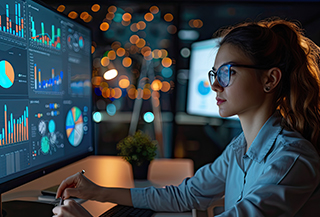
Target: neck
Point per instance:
(251, 125)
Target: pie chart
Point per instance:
(74, 126)
(6, 74)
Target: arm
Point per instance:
(283, 189)
(199, 191)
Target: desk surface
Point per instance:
(108, 171)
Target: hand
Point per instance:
(78, 186)
(70, 209)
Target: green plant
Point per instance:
(137, 148)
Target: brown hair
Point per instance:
(280, 43)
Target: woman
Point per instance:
(267, 73)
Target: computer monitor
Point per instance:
(200, 98)
(45, 91)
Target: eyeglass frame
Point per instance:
(213, 74)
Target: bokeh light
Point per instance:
(172, 29)
(134, 39)
(112, 9)
(104, 26)
(141, 43)
(126, 17)
(126, 62)
(96, 80)
(73, 14)
(166, 62)
(148, 17)
(154, 9)
(146, 93)
(97, 117)
(141, 25)
(168, 17)
(112, 55)
(121, 51)
(148, 117)
(166, 72)
(185, 52)
(110, 74)
(111, 109)
(105, 61)
(124, 82)
(61, 8)
(165, 86)
(95, 8)
(156, 85)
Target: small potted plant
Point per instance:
(138, 149)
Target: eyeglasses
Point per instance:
(224, 73)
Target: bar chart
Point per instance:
(15, 124)
(12, 19)
(54, 80)
(49, 37)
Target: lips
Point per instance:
(220, 101)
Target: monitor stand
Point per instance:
(20, 208)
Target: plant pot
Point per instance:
(140, 172)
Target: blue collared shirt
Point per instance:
(278, 176)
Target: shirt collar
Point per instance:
(265, 139)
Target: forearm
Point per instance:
(114, 195)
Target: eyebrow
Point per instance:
(226, 63)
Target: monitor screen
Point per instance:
(200, 98)
(45, 91)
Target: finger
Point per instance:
(56, 210)
(70, 192)
(69, 182)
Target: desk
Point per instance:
(108, 171)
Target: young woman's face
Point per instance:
(244, 94)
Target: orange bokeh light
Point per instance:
(141, 43)
(141, 25)
(148, 17)
(61, 8)
(110, 16)
(112, 9)
(95, 8)
(126, 17)
(134, 27)
(112, 55)
(104, 26)
(126, 62)
(124, 83)
(165, 86)
(96, 80)
(132, 93)
(105, 61)
(156, 85)
(73, 15)
(146, 93)
(168, 17)
(134, 39)
(121, 51)
(166, 62)
(154, 9)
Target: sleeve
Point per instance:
(199, 191)
(284, 187)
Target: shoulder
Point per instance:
(293, 156)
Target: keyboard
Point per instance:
(123, 211)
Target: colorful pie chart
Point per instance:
(6, 74)
(74, 126)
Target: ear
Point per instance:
(271, 79)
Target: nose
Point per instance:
(216, 86)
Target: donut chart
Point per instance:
(6, 74)
(74, 126)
